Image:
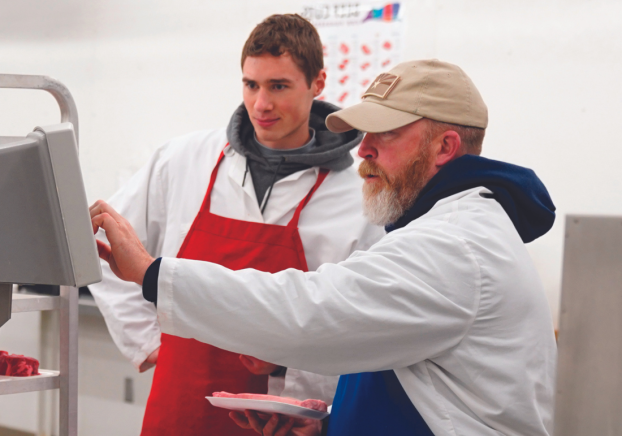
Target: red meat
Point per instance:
(315, 405)
(309, 404)
(16, 365)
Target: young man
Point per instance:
(442, 327)
(275, 190)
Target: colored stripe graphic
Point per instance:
(388, 12)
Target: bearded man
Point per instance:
(442, 327)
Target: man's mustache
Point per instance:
(370, 168)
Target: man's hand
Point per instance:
(151, 361)
(126, 255)
(276, 425)
(257, 366)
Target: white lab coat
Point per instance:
(162, 200)
(452, 302)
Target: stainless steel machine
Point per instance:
(589, 376)
(46, 237)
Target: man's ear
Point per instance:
(319, 83)
(450, 146)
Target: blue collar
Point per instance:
(519, 191)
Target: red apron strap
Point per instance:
(207, 200)
(320, 178)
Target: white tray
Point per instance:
(266, 406)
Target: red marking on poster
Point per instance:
(366, 49)
(344, 64)
(387, 12)
(343, 48)
(365, 82)
(343, 80)
(387, 62)
(343, 97)
(365, 66)
(387, 45)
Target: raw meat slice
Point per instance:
(286, 400)
(315, 405)
(309, 404)
(16, 365)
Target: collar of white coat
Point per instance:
(238, 168)
(452, 199)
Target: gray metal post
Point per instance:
(68, 424)
(49, 355)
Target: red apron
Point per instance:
(189, 370)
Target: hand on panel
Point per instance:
(126, 254)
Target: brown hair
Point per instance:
(470, 137)
(288, 33)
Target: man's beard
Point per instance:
(387, 199)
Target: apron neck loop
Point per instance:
(320, 178)
(207, 201)
(205, 207)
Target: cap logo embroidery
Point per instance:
(382, 86)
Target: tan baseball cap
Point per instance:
(411, 91)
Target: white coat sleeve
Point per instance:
(131, 320)
(301, 384)
(410, 297)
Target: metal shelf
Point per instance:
(49, 379)
(66, 380)
(34, 303)
(16, 385)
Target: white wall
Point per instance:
(144, 71)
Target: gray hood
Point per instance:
(331, 151)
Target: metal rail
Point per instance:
(68, 110)
(34, 303)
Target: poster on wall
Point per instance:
(360, 41)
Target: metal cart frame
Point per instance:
(67, 303)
